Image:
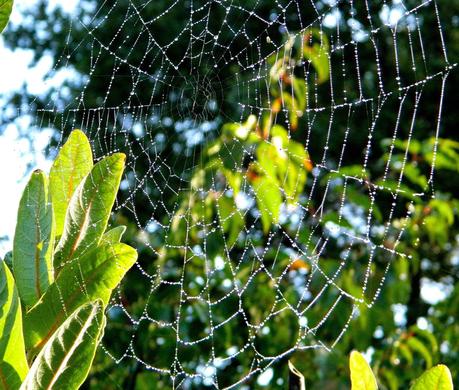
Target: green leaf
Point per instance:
(230, 218)
(406, 353)
(72, 165)
(34, 240)
(316, 50)
(93, 276)
(427, 336)
(269, 200)
(437, 378)
(391, 379)
(6, 6)
(114, 235)
(268, 160)
(89, 209)
(362, 378)
(13, 363)
(8, 259)
(416, 345)
(65, 360)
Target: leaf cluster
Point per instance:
(57, 281)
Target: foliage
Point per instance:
(65, 360)
(6, 7)
(438, 377)
(401, 349)
(13, 362)
(363, 378)
(64, 280)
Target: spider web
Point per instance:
(217, 320)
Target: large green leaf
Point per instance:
(114, 235)
(6, 6)
(362, 378)
(437, 378)
(13, 363)
(417, 345)
(231, 219)
(72, 165)
(65, 360)
(93, 276)
(269, 200)
(89, 209)
(34, 240)
(316, 49)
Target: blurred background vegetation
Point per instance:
(406, 327)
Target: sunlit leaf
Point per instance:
(362, 377)
(34, 240)
(13, 363)
(65, 360)
(93, 276)
(231, 219)
(269, 201)
(89, 209)
(72, 164)
(416, 345)
(114, 235)
(316, 49)
(405, 352)
(437, 378)
(6, 6)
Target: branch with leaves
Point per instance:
(57, 282)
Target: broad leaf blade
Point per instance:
(13, 363)
(93, 276)
(89, 209)
(114, 235)
(269, 201)
(437, 378)
(362, 378)
(66, 358)
(34, 241)
(6, 6)
(72, 165)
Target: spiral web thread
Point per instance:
(319, 290)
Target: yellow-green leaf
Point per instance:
(72, 165)
(269, 200)
(13, 363)
(437, 378)
(114, 235)
(34, 240)
(316, 49)
(93, 276)
(89, 209)
(416, 345)
(65, 360)
(362, 378)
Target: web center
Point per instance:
(199, 98)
